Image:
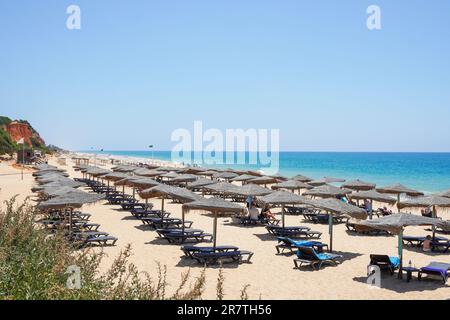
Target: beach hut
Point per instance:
(215, 206)
(327, 191)
(335, 206)
(396, 224)
(283, 198)
(291, 185)
(359, 185)
(399, 189)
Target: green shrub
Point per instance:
(33, 266)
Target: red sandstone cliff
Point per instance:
(18, 130)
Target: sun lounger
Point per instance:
(158, 223)
(100, 240)
(309, 256)
(291, 245)
(294, 232)
(208, 258)
(190, 250)
(178, 236)
(439, 269)
(437, 243)
(145, 213)
(385, 262)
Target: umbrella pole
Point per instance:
(371, 209)
(182, 217)
(433, 227)
(162, 209)
(330, 230)
(215, 230)
(398, 201)
(400, 253)
(282, 215)
(134, 193)
(123, 190)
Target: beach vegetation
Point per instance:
(34, 265)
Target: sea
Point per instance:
(428, 172)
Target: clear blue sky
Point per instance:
(137, 70)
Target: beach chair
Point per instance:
(439, 269)
(189, 250)
(291, 245)
(178, 236)
(356, 228)
(94, 239)
(296, 232)
(310, 257)
(440, 245)
(166, 223)
(385, 262)
(208, 258)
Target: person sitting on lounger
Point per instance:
(426, 246)
(427, 212)
(265, 209)
(253, 213)
(385, 212)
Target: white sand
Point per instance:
(270, 276)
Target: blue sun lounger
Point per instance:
(291, 244)
(436, 268)
(309, 256)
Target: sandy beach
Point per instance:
(269, 276)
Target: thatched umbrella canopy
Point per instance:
(301, 178)
(207, 173)
(215, 206)
(142, 182)
(359, 185)
(291, 185)
(80, 167)
(335, 206)
(116, 176)
(41, 172)
(70, 200)
(327, 191)
(225, 175)
(263, 180)
(400, 189)
(164, 191)
(243, 178)
(58, 184)
(185, 178)
(145, 172)
(254, 173)
(445, 194)
(48, 179)
(124, 168)
(252, 190)
(97, 172)
(200, 182)
(283, 198)
(169, 175)
(221, 187)
(396, 224)
(325, 180)
(193, 170)
(54, 191)
(371, 195)
(168, 169)
(432, 201)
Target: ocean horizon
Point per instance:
(425, 171)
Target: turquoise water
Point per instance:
(428, 172)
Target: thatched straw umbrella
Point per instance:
(207, 173)
(325, 180)
(432, 201)
(283, 198)
(359, 185)
(327, 191)
(243, 178)
(70, 200)
(124, 168)
(58, 184)
(265, 180)
(184, 178)
(200, 182)
(400, 189)
(115, 177)
(193, 170)
(335, 206)
(301, 178)
(291, 185)
(396, 223)
(252, 190)
(371, 195)
(164, 191)
(221, 187)
(215, 206)
(445, 194)
(225, 175)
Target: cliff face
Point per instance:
(18, 130)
